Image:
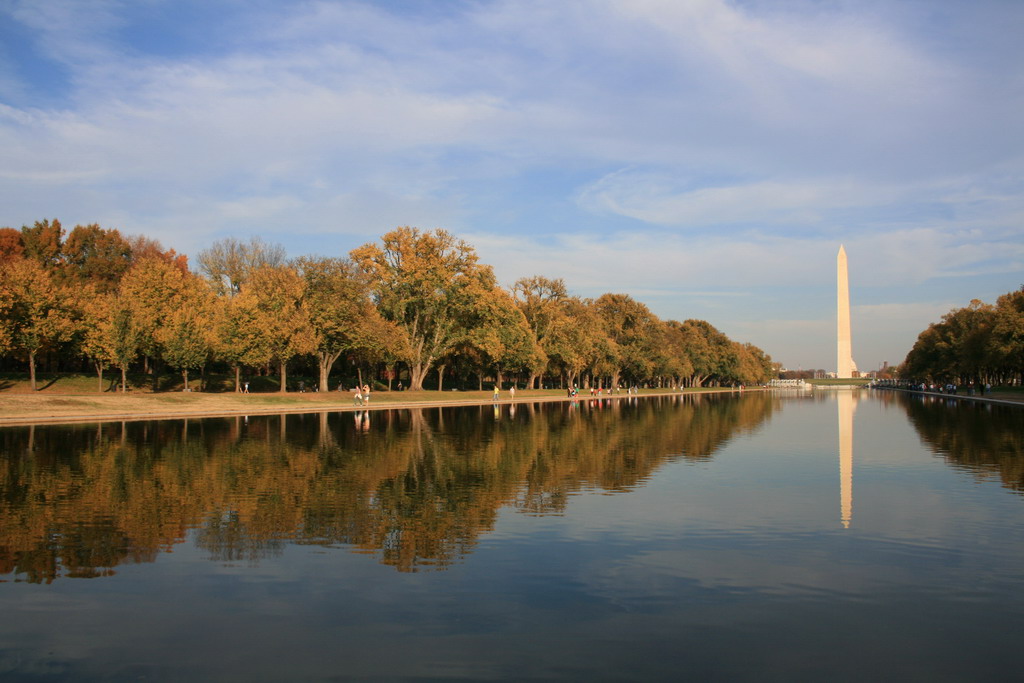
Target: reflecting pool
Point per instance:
(838, 535)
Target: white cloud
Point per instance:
(720, 151)
(648, 259)
(658, 198)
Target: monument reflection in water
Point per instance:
(690, 537)
(845, 401)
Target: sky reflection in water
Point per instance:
(712, 538)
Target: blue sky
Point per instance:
(707, 157)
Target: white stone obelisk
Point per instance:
(845, 367)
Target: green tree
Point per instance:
(959, 348)
(673, 360)
(971, 335)
(927, 359)
(711, 352)
(1008, 334)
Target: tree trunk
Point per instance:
(184, 376)
(284, 376)
(498, 379)
(238, 379)
(417, 373)
(440, 377)
(99, 373)
(32, 369)
(326, 364)
(124, 379)
(326, 437)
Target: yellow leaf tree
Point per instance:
(424, 283)
(341, 315)
(169, 312)
(280, 321)
(38, 312)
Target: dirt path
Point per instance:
(16, 409)
(22, 408)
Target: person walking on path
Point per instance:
(357, 397)
(496, 393)
(512, 392)
(366, 394)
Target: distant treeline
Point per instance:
(979, 343)
(418, 307)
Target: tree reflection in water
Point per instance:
(414, 487)
(982, 438)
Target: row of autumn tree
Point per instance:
(419, 301)
(979, 343)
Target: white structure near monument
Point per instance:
(845, 367)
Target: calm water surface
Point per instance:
(841, 536)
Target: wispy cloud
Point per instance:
(685, 151)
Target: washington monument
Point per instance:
(845, 367)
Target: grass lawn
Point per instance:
(840, 382)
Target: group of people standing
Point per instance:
(511, 392)
(361, 395)
(952, 388)
(600, 391)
